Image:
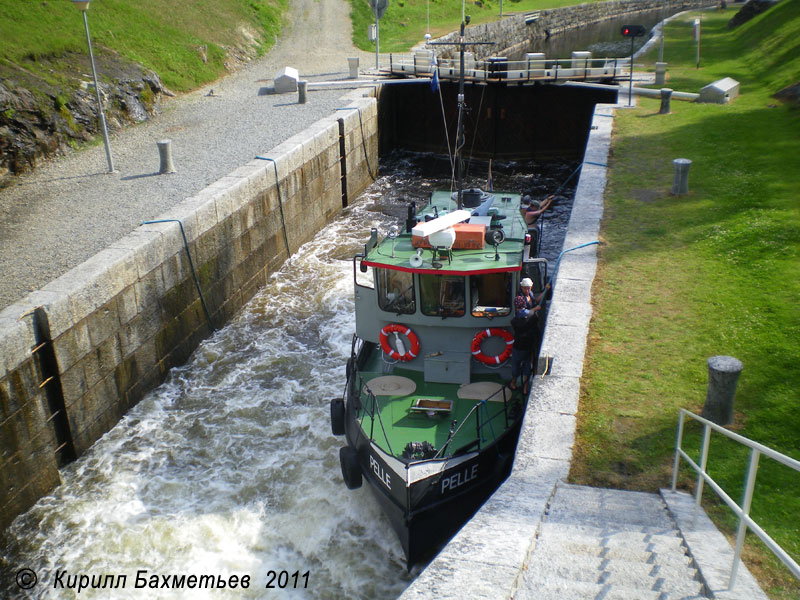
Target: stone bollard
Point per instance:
(165, 154)
(723, 374)
(666, 95)
(353, 63)
(680, 185)
(661, 73)
(302, 86)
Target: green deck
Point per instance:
(404, 425)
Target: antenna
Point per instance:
(394, 230)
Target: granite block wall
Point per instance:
(119, 322)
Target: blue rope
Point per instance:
(191, 266)
(280, 203)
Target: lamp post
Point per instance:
(83, 6)
(661, 42)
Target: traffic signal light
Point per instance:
(632, 30)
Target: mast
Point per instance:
(460, 127)
(462, 107)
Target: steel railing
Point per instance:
(743, 512)
(527, 70)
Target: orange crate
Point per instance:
(468, 237)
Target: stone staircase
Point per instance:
(604, 544)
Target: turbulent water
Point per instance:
(229, 468)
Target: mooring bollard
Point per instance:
(302, 86)
(353, 63)
(680, 185)
(165, 155)
(666, 94)
(723, 374)
(661, 73)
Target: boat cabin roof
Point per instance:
(498, 211)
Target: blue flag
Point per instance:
(435, 81)
(435, 78)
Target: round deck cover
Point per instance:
(392, 385)
(483, 389)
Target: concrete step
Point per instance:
(556, 589)
(608, 544)
(602, 508)
(663, 551)
(680, 579)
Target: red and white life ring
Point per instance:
(487, 333)
(406, 331)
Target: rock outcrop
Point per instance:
(39, 119)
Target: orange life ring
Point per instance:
(406, 331)
(487, 333)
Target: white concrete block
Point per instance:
(286, 80)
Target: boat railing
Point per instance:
(743, 511)
(375, 410)
(481, 422)
(421, 64)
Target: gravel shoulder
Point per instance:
(70, 208)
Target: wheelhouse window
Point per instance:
(396, 291)
(442, 295)
(490, 294)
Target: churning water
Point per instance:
(229, 467)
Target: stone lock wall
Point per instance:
(514, 32)
(109, 330)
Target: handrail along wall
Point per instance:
(743, 512)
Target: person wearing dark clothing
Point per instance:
(525, 327)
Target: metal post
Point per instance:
(661, 43)
(165, 157)
(630, 86)
(666, 94)
(97, 91)
(680, 182)
(377, 38)
(678, 443)
(748, 498)
(703, 462)
(302, 87)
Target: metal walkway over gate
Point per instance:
(534, 68)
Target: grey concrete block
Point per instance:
(147, 247)
(549, 435)
(565, 345)
(569, 313)
(554, 394)
(580, 264)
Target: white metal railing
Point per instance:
(743, 512)
(421, 64)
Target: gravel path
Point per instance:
(70, 208)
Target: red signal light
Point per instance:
(633, 30)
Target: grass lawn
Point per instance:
(714, 272)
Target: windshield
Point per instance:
(396, 291)
(442, 295)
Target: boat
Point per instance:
(429, 418)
